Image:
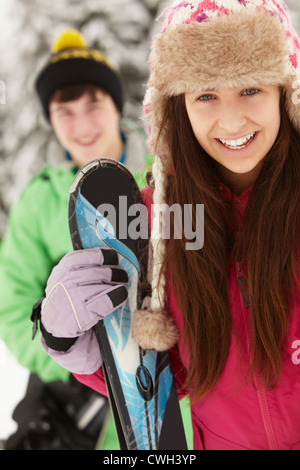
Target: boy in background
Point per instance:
(82, 98)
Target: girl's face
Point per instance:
(236, 127)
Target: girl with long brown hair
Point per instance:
(224, 123)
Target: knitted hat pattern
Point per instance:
(72, 62)
(205, 45)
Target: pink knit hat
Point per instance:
(209, 44)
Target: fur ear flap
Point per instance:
(154, 330)
(152, 326)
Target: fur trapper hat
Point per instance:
(209, 44)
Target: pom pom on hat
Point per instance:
(68, 39)
(72, 62)
(154, 330)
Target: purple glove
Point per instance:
(82, 289)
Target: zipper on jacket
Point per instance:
(241, 282)
(261, 393)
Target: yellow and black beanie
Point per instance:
(72, 63)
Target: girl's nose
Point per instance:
(232, 119)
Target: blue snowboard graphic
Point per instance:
(140, 383)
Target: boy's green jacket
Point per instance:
(37, 237)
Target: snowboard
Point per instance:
(106, 210)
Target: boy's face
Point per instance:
(88, 128)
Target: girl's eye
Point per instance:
(251, 91)
(205, 98)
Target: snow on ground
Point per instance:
(13, 386)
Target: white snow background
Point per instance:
(122, 28)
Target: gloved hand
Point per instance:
(82, 289)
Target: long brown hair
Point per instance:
(267, 249)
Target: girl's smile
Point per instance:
(239, 143)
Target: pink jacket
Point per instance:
(237, 416)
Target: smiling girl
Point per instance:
(226, 133)
(237, 128)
